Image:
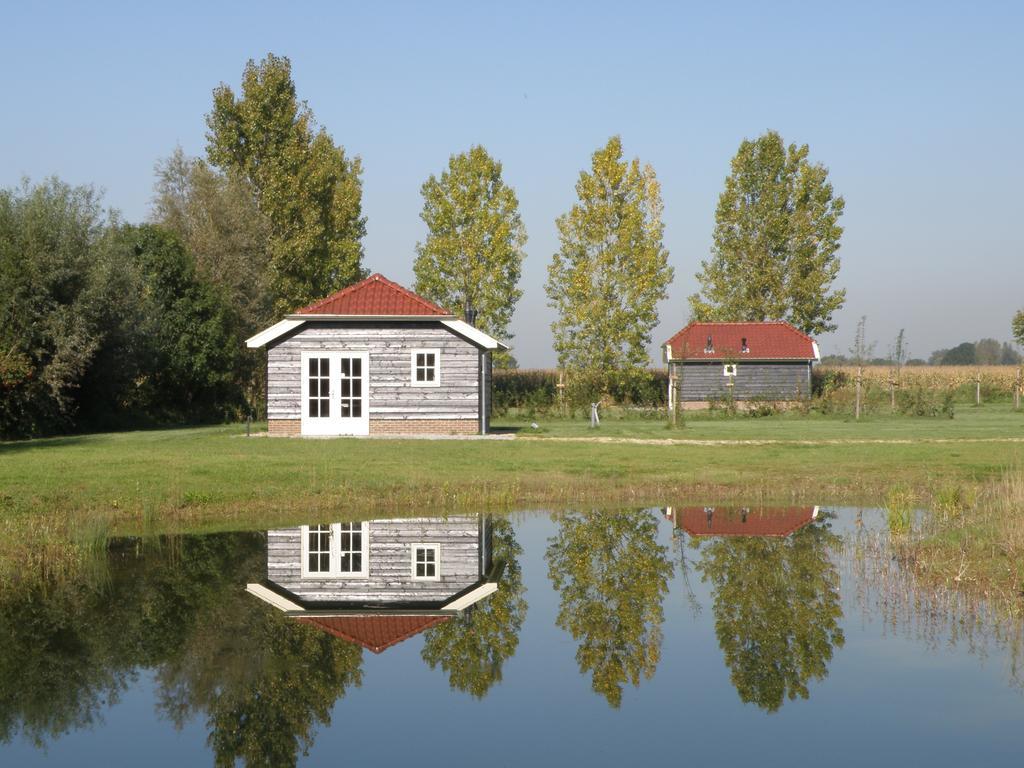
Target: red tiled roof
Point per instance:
(374, 632)
(774, 340)
(729, 521)
(377, 296)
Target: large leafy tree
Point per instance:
(610, 271)
(473, 253)
(612, 575)
(472, 647)
(777, 611)
(54, 297)
(304, 184)
(215, 216)
(776, 241)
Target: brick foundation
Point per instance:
(284, 427)
(291, 427)
(424, 427)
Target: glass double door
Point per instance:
(335, 393)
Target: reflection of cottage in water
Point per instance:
(741, 521)
(379, 582)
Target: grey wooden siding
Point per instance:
(486, 391)
(775, 381)
(389, 345)
(389, 554)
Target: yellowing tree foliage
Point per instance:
(304, 184)
(775, 242)
(473, 254)
(610, 271)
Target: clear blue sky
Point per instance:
(916, 109)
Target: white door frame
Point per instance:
(334, 423)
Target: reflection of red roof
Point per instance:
(735, 521)
(765, 341)
(376, 296)
(374, 632)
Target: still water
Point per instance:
(692, 635)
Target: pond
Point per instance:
(692, 635)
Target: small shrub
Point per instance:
(759, 407)
(917, 400)
(899, 503)
(952, 501)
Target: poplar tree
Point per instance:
(1017, 326)
(609, 273)
(776, 241)
(473, 254)
(304, 184)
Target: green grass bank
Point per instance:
(60, 496)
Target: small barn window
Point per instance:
(729, 369)
(709, 347)
(426, 561)
(743, 346)
(426, 367)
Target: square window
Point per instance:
(426, 561)
(426, 367)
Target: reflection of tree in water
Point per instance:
(472, 647)
(612, 575)
(265, 682)
(68, 651)
(777, 610)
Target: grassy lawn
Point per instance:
(995, 420)
(61, 496)
(218, 472)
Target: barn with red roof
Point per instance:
(739, 361)
(375, 358)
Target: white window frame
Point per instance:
(437, 561)
(729, 369)
(437, 367)
(335, 571)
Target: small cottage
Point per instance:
(375, 358)
(378, 582)
(739, 361)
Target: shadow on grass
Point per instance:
(16, 446)
(504, 430)
(59, 441)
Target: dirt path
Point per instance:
(839, 441)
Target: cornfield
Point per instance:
(997, 381)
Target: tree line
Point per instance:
(980, 352)
(106, 323)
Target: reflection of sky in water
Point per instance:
(887, 699)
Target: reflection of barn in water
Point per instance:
(379, 582)
(741, 521)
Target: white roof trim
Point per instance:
(817, 354)
(274, 599)
(475, 335)
(292, 322)
(473, 596)
(269, 334)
